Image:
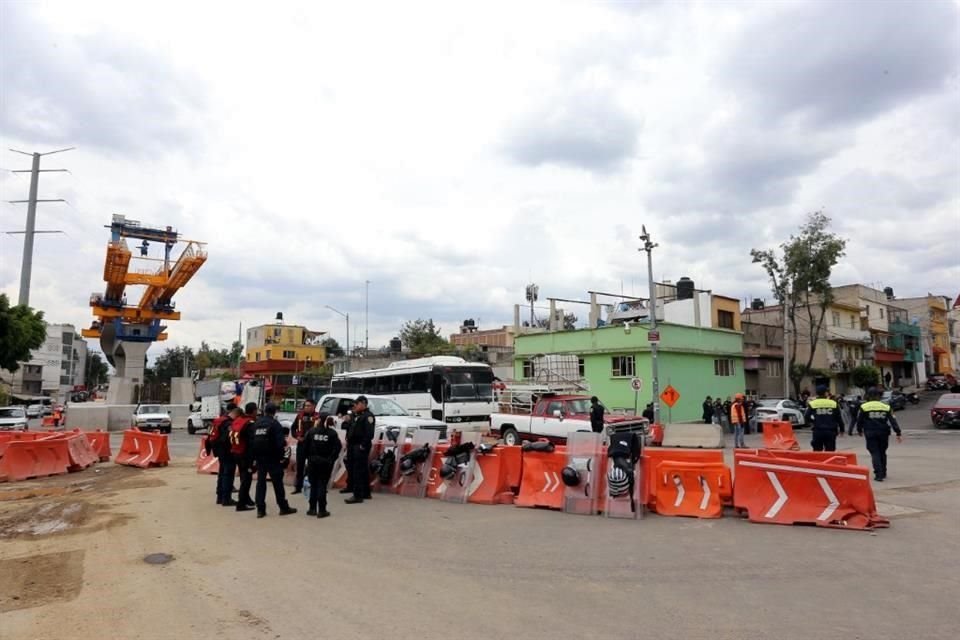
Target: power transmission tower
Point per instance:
(30, 231)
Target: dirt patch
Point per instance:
(250, 619)
(37, 492)
(57, 518)
(37, 580)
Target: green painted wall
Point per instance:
(686, 360)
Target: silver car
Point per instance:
(778, 409)
(12, 418)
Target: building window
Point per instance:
(65, 380)
(725, 319)
(723, 367)
(622, 366)
(290, 355)
(853, 322)
(529, 369)
(881, 313)
(257, 356)
(867, 307)
(266, 355)
(774, 369)
(581, 368)
(835, 316)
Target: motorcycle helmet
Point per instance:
(570, 476)
(407, 466)
(618, 483)
(448, 470)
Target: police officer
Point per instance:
(823, 414)
(268, 446)
(874, 421)
(304, 421)
(596, 415)
(359, 442)
(321, 448)
(240, 432)
(218, 444)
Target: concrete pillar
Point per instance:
(594, 319)
(553, 316)
(181, 391)
(516, 319)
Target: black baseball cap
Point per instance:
(362, 399)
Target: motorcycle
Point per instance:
(913, 397)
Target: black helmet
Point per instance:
(570, 476)
(873, 393)
(407, 466)
(448, 470)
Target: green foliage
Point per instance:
(21, 331)
(865, 376)
(423, 338)
(334, 350)
(169, 364)
(4, 396)
(97, 369)
(800, 280)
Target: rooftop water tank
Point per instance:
(685, 288)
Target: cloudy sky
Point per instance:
(450, 153)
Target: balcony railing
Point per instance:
(848, 335)
(846, 364)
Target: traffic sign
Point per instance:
(653, 336)
(670, 396)
(636, 384)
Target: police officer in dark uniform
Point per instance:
(596, 415)
(241, 430)
(359, 442)
(321, 448)
(823, 414)
(269, 444)
(304, 421)
(874, 421)
(218, 444)
(624, 451)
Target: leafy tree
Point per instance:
(865, 376)
(97, 369)
(334, 350)
(800, 279)
(21, 331)
(169, 364)
(422, 337)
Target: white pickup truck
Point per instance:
(553, 417)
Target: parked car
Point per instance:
(34, 410)
(769, 409)
(195, 422)
(47, 409)
(12, 418)
(553, 416)
(152, 417)
(387, 412)
(896, 400)
(946, 411)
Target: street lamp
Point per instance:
(648, 246)
(347, 346)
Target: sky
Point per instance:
(451, 153)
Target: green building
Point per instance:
(696, 361)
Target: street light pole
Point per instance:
(347, 347)
(649, 245)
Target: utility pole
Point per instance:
(649, 245)
(347, 317)
(26, 267)
(786, 353)
(366, 320)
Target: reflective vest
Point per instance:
(238, 439)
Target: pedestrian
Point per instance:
(240, 431)
(823, 415)
(596, 415)
(346, 420)
(738, 420)
(218, 444)
(853, 406)
(725, 417)
(269, 445)
(718, 412)
(321, 447)
(648, 412)
(359, 443)
(707, 410)
(304, 421)
(874, 422)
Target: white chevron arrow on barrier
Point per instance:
(831, 496)
(681, 492)
(706, 493)
(781, 500)
(551, 482)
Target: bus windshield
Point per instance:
(469, 385)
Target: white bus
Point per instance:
(445, 388)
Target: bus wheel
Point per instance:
(510, 436)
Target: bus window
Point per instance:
(419, 382)
(436, 387)
(384, 385)
(401, 384)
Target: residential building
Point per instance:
(284, 353)
(905, 336)
(696, 361)
(930, 313)
(471, 334)
(953, 325)
(55, 368)
(763, 360)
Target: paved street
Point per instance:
(426, 569)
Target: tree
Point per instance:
(800, 279)
(865, 376)
(422, 337)
(169, 364)
(22, 330)
(334, 350)
(97, 369)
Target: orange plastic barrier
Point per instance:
(434, 481)
(207, 463)
(100, 442)
(793, 491)
(815, 456)
(143, 449)
(690, 489)
(540, 484)
(652, 458)
(6, 437)
(492, 476)
(778, 435)
(656, 434)
(81, 454)
(34, 459)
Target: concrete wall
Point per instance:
(96, 415)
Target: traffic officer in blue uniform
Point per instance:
(874, 421)
(359, 443)
(824, 414)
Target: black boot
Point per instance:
(311, 511)
(244, 507)
(323, 514)
(287, 510)
(354, 500)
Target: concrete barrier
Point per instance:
(116, 417)
(693, 435)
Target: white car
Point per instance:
(387, 412)
(778, 409)
(13, 418)
(150, 417)
(195, 422)
(34, 410)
